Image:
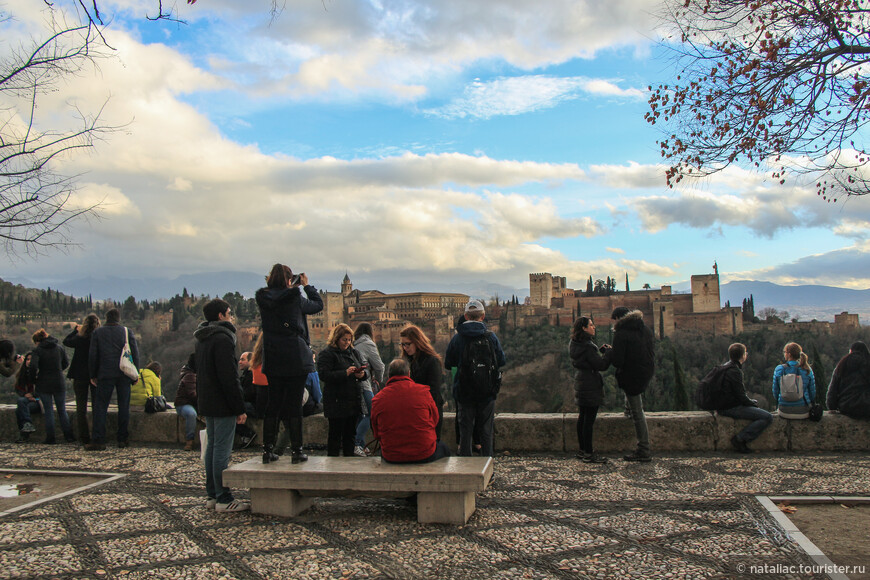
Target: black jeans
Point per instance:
(285, 401)
(342, 436)
(476, 417)
(585, 424)
(83, 388)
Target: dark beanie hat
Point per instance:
(619, 312)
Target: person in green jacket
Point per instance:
(148, 384)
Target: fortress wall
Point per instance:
(670, 432)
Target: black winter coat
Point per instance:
(81, 345)
(733, 391)
(286, 351)
(46, 366)
(104, 356)
(633, 353)
(342, 393)
(588, 384)
(849, 391)
(426, 370)
(218, 392)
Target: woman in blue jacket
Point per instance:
(794, 407)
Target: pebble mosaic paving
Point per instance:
(547, 516)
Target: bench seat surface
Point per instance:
(452, 474)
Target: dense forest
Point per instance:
(538, 377)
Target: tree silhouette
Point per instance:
(782, 86)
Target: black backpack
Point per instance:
(479, 377)
(709, 395)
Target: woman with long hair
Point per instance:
(363, 341)
(588, 384)
(80, 341)
(28, 403)
(46, 371)
(425, 366)
(343, 370)
(849, 391)
(10, 363)
(287, 357)
(796, 363)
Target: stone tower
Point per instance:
(346, 286)
(541, 289)
(705, 293)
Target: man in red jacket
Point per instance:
(404, 418)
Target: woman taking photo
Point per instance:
(80, 341)
(287, 357)
(46, 371)
(588, 384)
(343, 370)
(795, 363)
(364, 342)
(425, 366)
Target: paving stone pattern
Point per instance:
(546, 517)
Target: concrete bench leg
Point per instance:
(279, 502)
(445, 508)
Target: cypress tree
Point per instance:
(626, 282)
(820, 375)
(589, 286)
(681, 395)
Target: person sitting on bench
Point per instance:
(404, 417)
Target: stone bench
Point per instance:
(445, 488)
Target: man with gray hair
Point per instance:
(404, 417)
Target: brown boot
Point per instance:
(189, 445)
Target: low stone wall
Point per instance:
(546, 433)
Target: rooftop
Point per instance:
(547, 516)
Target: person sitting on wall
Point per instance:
(28, 403)
(185, 400)
(737, 405)
(849, 392)
(404, 417)
(148, 384)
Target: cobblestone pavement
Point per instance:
(549, 516)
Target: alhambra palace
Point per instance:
(550, 301)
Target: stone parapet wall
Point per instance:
(548, 433)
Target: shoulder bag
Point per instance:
(126, 362)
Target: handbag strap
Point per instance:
(126, 338)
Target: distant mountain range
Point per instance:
(804, 302)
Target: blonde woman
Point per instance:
(343, 370)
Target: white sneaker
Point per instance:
(28, 428)
(237, 505)
(210, 503)
(359, 451)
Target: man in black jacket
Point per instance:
(219, 396)
(633, 356)
(737, 405)
(104, 358)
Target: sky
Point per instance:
(408, 141)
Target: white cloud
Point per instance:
(615, 250)
(519, 95)
(644, 267)
(848, 267)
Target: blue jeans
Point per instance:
(189, 414)
(760, 420)
(365, 421)
(220, 431)
(476, 418)
(59, 404)
(25, 408)
(634, 404)
(101, 408)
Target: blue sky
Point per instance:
(420, 141)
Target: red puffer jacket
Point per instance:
(404, 418)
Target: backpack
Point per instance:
(709, 395)
(479, 377)
(791, 386)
